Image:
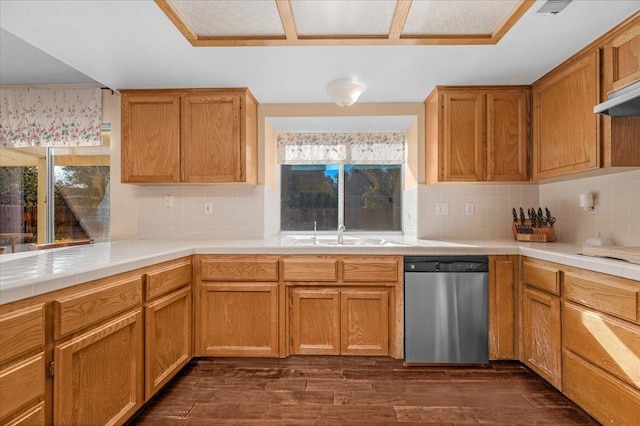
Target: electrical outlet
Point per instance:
(208, 208)
(168, 201)
(468, 209)
(442, 209)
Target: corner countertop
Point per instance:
(24, 275)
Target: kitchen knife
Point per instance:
(521, 216)
(541, 219)
(515, 215)
(550, 219)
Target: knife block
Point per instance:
(545, 234)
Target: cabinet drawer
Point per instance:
(75, 312)
(21, 383)
(21, 331)
(311, 270)
(604, 397)
(544, 277)
(611, 344)
(370, 270)
(34, 416)
(614, 298)
(167, 279)
(239, 270)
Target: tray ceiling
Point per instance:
(343, 22)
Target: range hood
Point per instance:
(622, 103)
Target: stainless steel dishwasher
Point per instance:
(446, 309)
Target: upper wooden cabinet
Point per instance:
(622, 55)
(566, 135)
(477, 134)
(191, 135)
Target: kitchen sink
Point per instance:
(347, 242)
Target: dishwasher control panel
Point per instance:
(446, 264)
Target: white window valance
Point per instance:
(341, 148)
(50, 117)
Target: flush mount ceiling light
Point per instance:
(344, 92)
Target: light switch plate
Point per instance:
(442, 209)
(208, 208)
(168, 201)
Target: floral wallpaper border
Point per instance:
(354, 148)
(50, 117)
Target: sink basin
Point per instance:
(347, 242)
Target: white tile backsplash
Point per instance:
(492, 209)
(237, 212)
(617, 200)
(410, 212)
(254, 212)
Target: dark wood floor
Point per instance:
(312, 390)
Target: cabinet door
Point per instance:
(624, 52)
(315, 321)
(463, 140)
(150, 138)
(364, 320)
(507, 135)
(98, 375)
(212, 148)
(541, 335)
(167, 338)
(501, 307)
(238, 319)
(566, 137)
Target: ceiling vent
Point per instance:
(554, 6)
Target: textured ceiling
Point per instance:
(342, 22)
(230, 18)
(323, 18)
(452, 17)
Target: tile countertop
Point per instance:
(23, 275)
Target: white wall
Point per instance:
(618, 208)
(123, 197)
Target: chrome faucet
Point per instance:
(341, 229)
(315, 230)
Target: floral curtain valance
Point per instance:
(50, 117)
(341, 148)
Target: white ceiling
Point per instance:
(132, 44)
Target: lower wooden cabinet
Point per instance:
(339, 321)
(503, 273)
(541, 344)
(21, 383)
(34, 416)
(167, 338)
(237, 319)
(315, 321)
(603, 396)
(22, 361)
(98, 375)
(364, 322)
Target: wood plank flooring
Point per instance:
(322, 391)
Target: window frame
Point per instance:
(341, 200)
